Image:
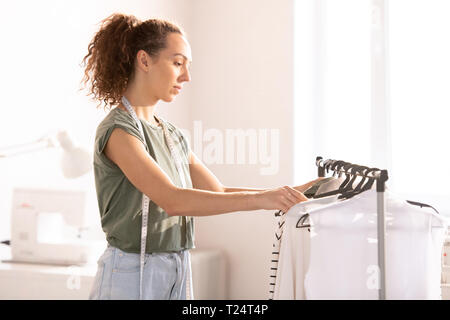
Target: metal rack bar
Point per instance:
(381, 177)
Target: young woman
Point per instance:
(143, 162)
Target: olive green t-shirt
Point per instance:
(120, 202)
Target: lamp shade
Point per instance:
(75, 161)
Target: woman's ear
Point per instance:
(143, 60)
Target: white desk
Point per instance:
(25, 281)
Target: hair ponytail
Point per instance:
(109, 64)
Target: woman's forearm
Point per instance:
(196, 202)
(227, 189)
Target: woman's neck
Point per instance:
(143, 106)
(151, 118)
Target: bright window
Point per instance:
(334, 91)
(420, 95)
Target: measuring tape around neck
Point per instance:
(146, 199)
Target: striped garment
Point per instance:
(280, 217)
(321, 186)
(281, 220)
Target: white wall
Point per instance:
(243, 78)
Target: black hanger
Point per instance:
(346, 189)
(301, 222)
(344, 165)
(343, 185)
(415, 203)
(363, 171)
(360, 188)
(369, 183)
(327, 164)
(336, 167)
(354, 170)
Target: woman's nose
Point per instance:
(186, 76)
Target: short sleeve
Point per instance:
(104, 133)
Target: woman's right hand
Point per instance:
(282, 198)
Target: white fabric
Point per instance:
(338, 258)
(293, 249)
(333, 184)
(280, 219)
(343, 259)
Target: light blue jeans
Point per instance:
(165, 276)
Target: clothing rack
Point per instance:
(381, 176)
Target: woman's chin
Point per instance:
(169, 98)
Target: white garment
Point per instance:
(341, 260)
(344, 250)
(333, 184)
(292, 249)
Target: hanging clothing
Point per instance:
(343, 260)
(322, 186)
(292, 245)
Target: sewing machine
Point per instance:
(47, 226)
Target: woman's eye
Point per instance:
(178, 64)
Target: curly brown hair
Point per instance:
(109, 64)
